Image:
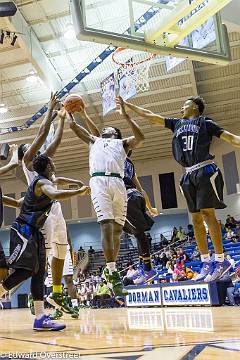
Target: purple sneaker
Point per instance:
(220, 268)
(46, 324)
(207, 268)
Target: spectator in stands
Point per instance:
(91, 252)
(181, 236)
(182, 257)
(183, 273)
(232, 262)
(163, 259)
(190, 231)
(163, 240)
(174, 234)
(131, 271)
(229, 234)
(195, 255)
(230, 222)
(233, 289)
(170, 267)
(81, 253)
(103, 294)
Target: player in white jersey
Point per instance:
(106, 161)
(55, 226)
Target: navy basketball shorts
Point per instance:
(203, 188)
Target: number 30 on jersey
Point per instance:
(187, 142)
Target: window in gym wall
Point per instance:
(168, 190)
(147, 185)
(230, 172)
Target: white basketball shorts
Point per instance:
(109, 198)
(54, 229)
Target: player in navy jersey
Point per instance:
(202, 183)
(27, 248)
(138, 221)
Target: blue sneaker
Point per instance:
(220, 268)
(206, 270)
(46, 324)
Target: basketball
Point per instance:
(73, 103)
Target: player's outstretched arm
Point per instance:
(230, 138)
(10, 202)
(154, 118)
(80, 131)
(137, 139)
(42, 132)
(89, 123)
(153, 211)
(52, 148)
(13, 163)
(67, 181)
(46, 187)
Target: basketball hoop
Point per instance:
(134, 64)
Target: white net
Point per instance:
(134, 66)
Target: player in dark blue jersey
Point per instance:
(202, 183)
(138, 221)
(13, 163)
(27, 248)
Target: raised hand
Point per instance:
(54, 101)
(62, 113)
(120, 105)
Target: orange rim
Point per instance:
(121, 49)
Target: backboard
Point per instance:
(189, 29)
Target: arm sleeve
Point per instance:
(213, 128)
(170, 123)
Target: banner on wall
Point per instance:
(204, 35)
(145, 296)
(108, 94)
(189, 294)
(127, 85)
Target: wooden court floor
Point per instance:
(137, 333)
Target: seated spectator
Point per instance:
(131, 271)
(174, 234)
(183, 273)
(181, 236)
(81, 253)
(195, 255)
(103, 294)
(170, 266)
(190, 231)
(232, 290)
(163, 259)
(163, 240)
(222, 227)
(232, 262)
(230, 222)
(229, 234)
(182, 257)
(91, 252)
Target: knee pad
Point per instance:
(59, 251)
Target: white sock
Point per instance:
(74, 302)
(111, 266)
(39, 308)
(2, 291)
(219, 257)
(205, 257)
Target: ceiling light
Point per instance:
(70, 32)
(3, 109)
(32, 77)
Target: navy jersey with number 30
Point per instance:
(192, 139)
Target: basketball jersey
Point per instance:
(30, 175)
(129, 173)
(35, 209)
(107, 155)
(192, 139)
